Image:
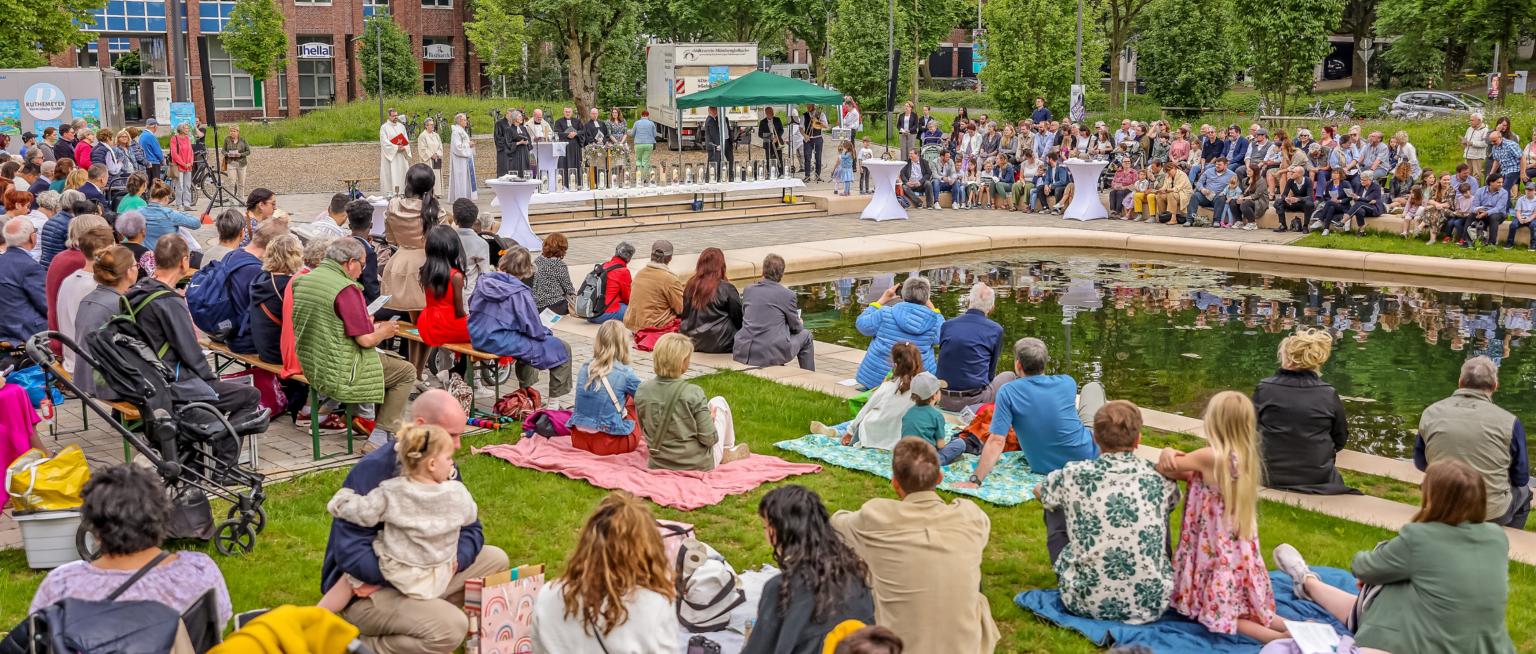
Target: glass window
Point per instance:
(129, 16)
(232, 87)
(371, 7)
(282, 86)
(317, 78)
(444, 4)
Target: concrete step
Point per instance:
(623, 225)
(653, 206)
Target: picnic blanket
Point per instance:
(1176, 633)
(1010, 483)
(684, 490)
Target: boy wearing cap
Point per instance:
(656, 297)
(923, 420)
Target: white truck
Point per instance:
(673, 70)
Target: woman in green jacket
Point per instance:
(1440, 586)
(683, 430)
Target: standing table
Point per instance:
(513, 197)
(379, 204)
(883, 205)
(1086, 204)
(547, 154)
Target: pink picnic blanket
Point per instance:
(684, 490)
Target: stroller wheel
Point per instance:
(257, 518)
(494, 375)
(234, 537)
(85, 544)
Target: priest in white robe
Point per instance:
(461, 178)
(394, 158)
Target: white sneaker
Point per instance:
(1289, 561)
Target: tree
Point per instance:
(1030, 52)
(1359, 21)
(255, 39)
(859, 45)
(623, 78)
(737, 21)
(402, 72)
(1504, 22)
(810, 21)
(926, 22)
(500, 37)
(1285, 40)
(1432, 38)
(38, 30)
(581, 29)
(1119, 19)
(129, 64)
(1183, 67)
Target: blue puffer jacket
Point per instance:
(890, 325)
(54, 238)
(503, 320)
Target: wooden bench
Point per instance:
(409, 332)
(224, 358)
(128, 414)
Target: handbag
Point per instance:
(37, 482)
(645, 339)
(501, 610)
(519, 404)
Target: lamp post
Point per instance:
(378, 45)
(890, 55)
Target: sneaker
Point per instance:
(361, 425)
(1289, 561)
(823, 430)
(1325, 231)
(735, 453)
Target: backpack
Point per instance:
(707, 588)
(519, 404)
(88, 626)
(592, 299)
(210, 300)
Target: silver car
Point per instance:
(1425, 104)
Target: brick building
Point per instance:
(321, 69)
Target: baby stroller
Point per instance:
(181, 440)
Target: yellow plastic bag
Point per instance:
(37, 482)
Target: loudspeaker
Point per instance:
(890, 85)
(207, 80)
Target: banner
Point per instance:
(1078, 110)
(183, 112)
(88, 109)
(10, 117)
(162, 91)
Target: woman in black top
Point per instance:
(1301, 419)
(283, 258)
(822, 582)
(711, 305)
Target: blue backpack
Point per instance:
(210, 301)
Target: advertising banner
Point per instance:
(88, 109)
(10, 117)
(183, 112)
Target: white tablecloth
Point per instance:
(547, 153)
(514, 197)
(1086, 204)
(883, 205)
(653, 191)
(379, 204)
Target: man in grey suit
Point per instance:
(771, 332)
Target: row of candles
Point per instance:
(662, 175)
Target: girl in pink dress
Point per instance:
(1219, 576)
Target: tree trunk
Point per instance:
(1360, 69)
(1506, 75)
(1116, 47)
(583, 76)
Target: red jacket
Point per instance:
(616, 287)
(83, 155)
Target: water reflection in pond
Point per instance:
(1169, 336)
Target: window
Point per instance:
(312, 2)
(282, 86)
(371, 7)
(317, 78)
(437, 4)
(213, 14)
(130, 16)
(232, 87)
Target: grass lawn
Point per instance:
(1390, 243)
(535, 516)
(359, 120)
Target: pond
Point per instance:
(1169, 335)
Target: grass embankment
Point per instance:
(535, 517)
(1389, 243)
(359, 120)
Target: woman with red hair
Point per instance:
(17, 202)
(711, 305)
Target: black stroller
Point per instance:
(182, 440)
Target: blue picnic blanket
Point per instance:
(1176, 633)
(1010, 483)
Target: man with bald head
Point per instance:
(389, 622)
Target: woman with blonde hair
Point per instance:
(617, 593)
(1302, 418)
(1219, 576)
(1440, 585)
(683, 430)
(603, 420)
(77, 178)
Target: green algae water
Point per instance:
(1169, 335)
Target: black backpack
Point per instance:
(592, 299)
(108, 626)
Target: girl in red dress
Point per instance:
(443, 320)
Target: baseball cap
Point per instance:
(27, 136)
(151, 122)
(925, 384)
(661, 248)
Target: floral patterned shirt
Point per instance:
(1116, 565)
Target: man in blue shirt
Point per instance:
(23, 306)
(389, 621)
(154, 157)
(1051, 426)
(1489, 206)
(969, 345)
(1505, 154)
(1208, 190)
(1042, 114)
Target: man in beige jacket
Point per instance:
(925, 558)
(656, 297)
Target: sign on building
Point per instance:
(314, 50)
(439, 52)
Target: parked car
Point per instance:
(1424, 104)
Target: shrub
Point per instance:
(282, 141)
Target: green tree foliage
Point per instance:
(925, 23)
(623, 76)
(1286, 39)
(499, 34)
(1120, 19)
(735, 21)
(810, 21)
(402, 72)
(1030, 52)
(36, 30)
(584, 32)
(860, 45)
(1434, 38)
(255, 39)
(1187, 67)
(129, 63)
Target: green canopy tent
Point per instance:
(755, 89)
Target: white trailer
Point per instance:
(34, 98)
(673, 70)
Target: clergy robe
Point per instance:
(393, 161)
(461, 154)
(503, 142)
(569, 131)
(519, 149)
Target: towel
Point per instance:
(1176, 633)
(684, 490)
(1010, 483)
